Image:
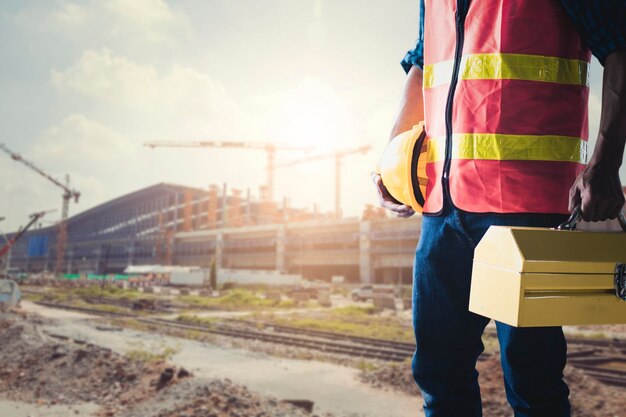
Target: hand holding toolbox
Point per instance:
(529, 277)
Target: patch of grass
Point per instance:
(108, 291)
(72, 295)
(594, 335)
(235, 299)
(154, 353)
(286, 304)
(491, 343)
(378, 329)
(203, 321)
(366, 366)
(33, 297)
(354, 310)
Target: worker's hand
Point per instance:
(387, 201)
(599, 192)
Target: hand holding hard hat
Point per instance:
(387, 201)
(401, 175)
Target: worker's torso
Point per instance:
(505, 91)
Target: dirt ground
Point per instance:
(38, 370)
(589, 398)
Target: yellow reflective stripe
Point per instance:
(510, 67)
(437, 74)
(501, 147)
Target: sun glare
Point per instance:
(311, 114)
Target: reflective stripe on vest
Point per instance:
(510, 67)
(518, 131)
(501, 147)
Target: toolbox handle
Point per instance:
(570, 224)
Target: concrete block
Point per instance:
(384, 301)
(323, 299)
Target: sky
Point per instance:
(85, 83)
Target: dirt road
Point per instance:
(333, 388)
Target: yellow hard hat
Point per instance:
(402, 167)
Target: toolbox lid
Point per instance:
(541, 250)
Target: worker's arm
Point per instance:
(410, 113)
(598, 188)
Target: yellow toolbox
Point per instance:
(548, 277)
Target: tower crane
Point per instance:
(268, 147)
(10, 242)
(338, 156)
(68, 194)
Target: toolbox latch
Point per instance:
(620, 281)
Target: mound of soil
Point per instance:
(38, 369)
(222, 398)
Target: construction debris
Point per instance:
(35, 368)
(38, 369)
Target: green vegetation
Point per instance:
(588, 335)
(377, 327)
(235, 299)
(33, 297)
(155, 353)
(203, 321)
(366, 366)
(354, 310)
(108, 291)
(74, 295)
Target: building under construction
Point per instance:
(175, 225)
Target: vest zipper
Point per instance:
(460, 35)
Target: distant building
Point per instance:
(138, 228)
(174, 225)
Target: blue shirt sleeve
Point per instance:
(600, 23)
(416, 55)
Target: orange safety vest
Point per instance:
(505, 97)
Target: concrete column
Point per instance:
(219, 250)
(280, 249)
(46, 261)
(365, 257)
(175, 215)
(131, 253)
(71, 258)
(98, 253)
(224, 216)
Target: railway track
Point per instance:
(315, 343)
(409, 348)
(604, 360)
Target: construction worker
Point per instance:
(502, 87)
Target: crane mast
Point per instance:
(338, 159)
(68, 194)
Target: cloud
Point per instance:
(70, 15)
(79, 141)
(153, 20)
(100, 161)
(103, 76)
(183, 100)
(131, 22)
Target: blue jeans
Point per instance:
(448, 336)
